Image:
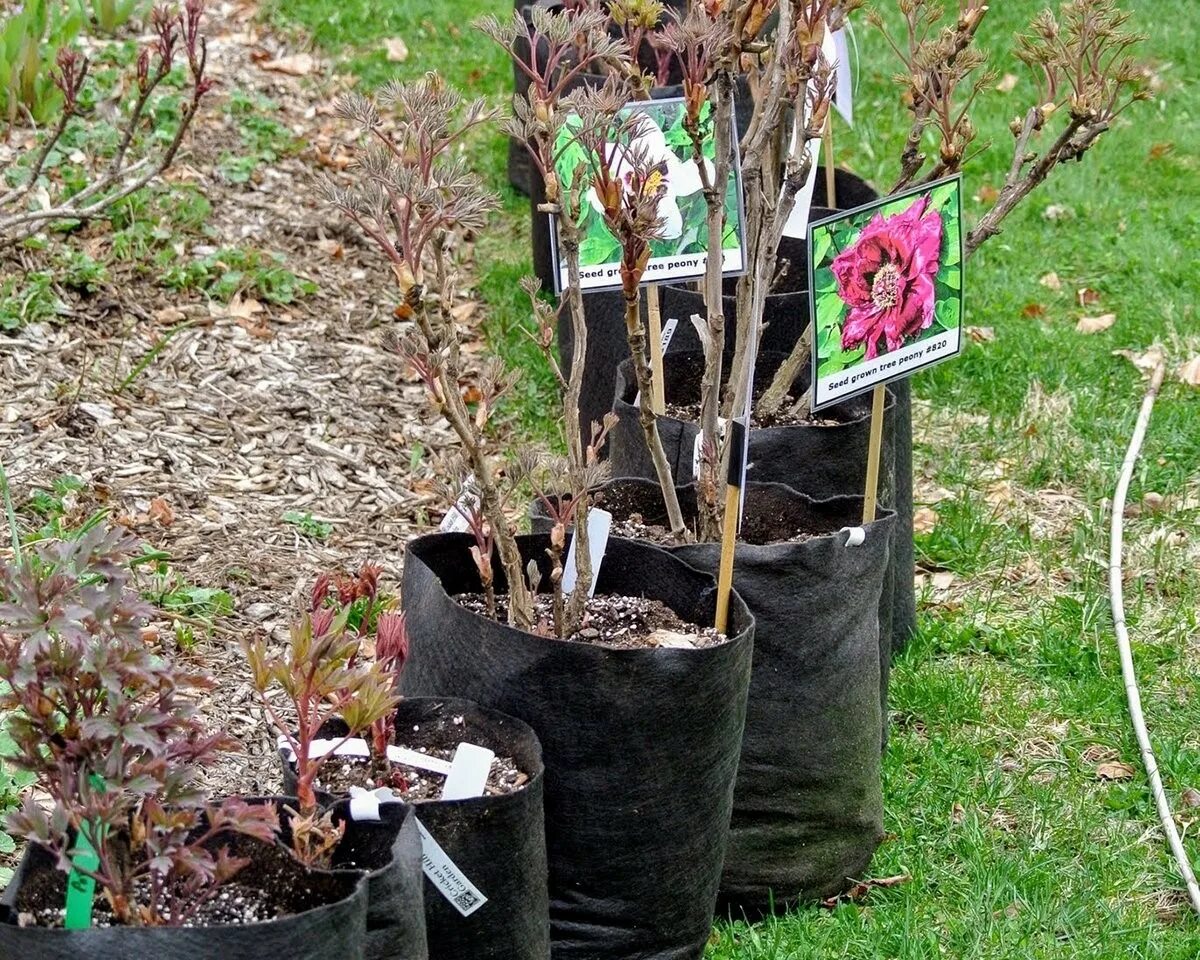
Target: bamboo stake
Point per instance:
(1117, 593)
(871, 495)
(658, 394)
(739, 433)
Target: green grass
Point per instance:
(1011, 694)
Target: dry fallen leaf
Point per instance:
(942, 580)
(1087, 297)
(397, 49)
(1146, 362)
(1189, 373)
(332, 248)
(1095, 324)
(294, 65)
(924, 520)
(862, 888)
(982, 334)
(243, 308)
(1190, 797)
(169, 315)
(1051, 282)
(673, 640)
(957, 814)
(1007, 83)
(988, 194)
(1154, 502)
(160, 512)
(1033, 310)
(1115, 770)
(1058, 211)
(1160, 150)
(464, 311)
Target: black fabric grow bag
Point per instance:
(497, 842)
(641, 745)
(334, 931)
(786, 314)
(808, 805)
(820, 460)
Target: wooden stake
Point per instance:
(658, 398)
(733, 502)
(872, 492)
(830, 179)
(728, 546)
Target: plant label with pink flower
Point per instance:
(886, 290)
(679, 246)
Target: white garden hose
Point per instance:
(1117, 593)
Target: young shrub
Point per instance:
(320, 679)
(176, 33)
(1084, 78)
(111, 732)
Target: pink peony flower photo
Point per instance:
(885, 277)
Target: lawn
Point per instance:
(1010, 698)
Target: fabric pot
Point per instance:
(641, 745)
(497, 843)
(786, 314)
(823, 459)
(333, 930)
(808, 805)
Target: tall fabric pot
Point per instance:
(808, 805)
(334, 931)
(498, 843)
(641, 745)
(826, 458)
(786, 314)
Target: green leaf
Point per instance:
(951, 241)
(832, 365)
(829, 310)
(951, 277)
(599, 249)
(948, 314)
(822, 243)
(941, 196)
(825, 280)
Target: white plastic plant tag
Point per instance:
(844, 95)
(444, 874)
(797, 221)
(599, 525)
(365, 804)
(354, 747)
(668, 331)
(468, 772)
(455, 521)
(414, 758)
(855, 536)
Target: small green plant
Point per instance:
(28, 299)
(308, 525)
(232, 270)
(78, 271)
(187, 606)
(57, 513)
(12, 783)
(29, 41)
(110, 15)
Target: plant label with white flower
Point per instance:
(679, 247)
(886, 290)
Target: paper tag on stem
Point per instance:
(599, 525)
(455, 521)
(444, 874)
(468, 772)
(668, 331)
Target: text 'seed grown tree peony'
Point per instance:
(887, 278)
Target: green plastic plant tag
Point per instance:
(81, 888)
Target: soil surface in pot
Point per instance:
(690, 413)
(635, 527)
(625, 622)
(410, 783)
(271, 886)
